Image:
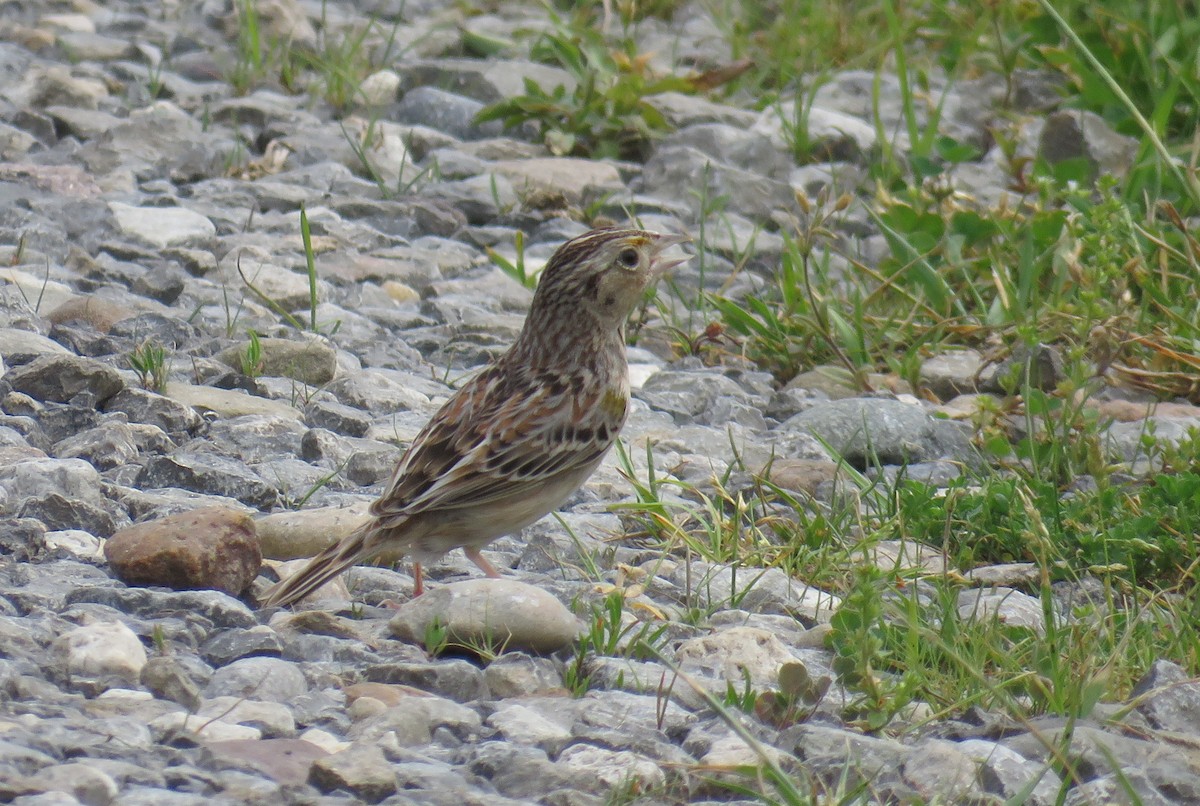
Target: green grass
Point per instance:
(149, 361)
(1100, 269)
(331, 68)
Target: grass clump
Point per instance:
(149, 361)
(606, 114)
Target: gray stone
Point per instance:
(22, 346)
(1115, 790)
(219, 608)
(515, 674)
(309, 361)
(71, 478)
(480, 198)
(101, 518)
(381, 391)
(598, 769)
(1007, 574)
(272, 718)
(150, 408)
(829, 135)
(22, 539)
(1169, 698)
(952, 373)
(337, 417)
(226, 647)
(158, 141)
(487, 81)
(1125, 441)
(495, 614)
(83, 782)
(362, 461)
(705, 398)
(1005, 772)
(266, 679)
(575, 181)
(208, 473)
(417, 718)
(1040, 365)
(256, 437)
(1074, 134)
(161, 227)
(108, 445)
(737, 145)
(1007, 606)
(941, 770)
(163, 282)
(683, 172)
(516, 771)
(168, 679)
(446, 112)
(101, 649)
(455, 679)
(735, 655)
(60, 378)
(838, 754)
(864, 431)
(683, 110)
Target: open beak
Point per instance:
(661, 244)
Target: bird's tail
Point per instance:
(359, 545)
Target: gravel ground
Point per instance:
(140, 196)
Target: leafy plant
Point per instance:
(251, 358)
(609, 634)
(606, 114)
(861, 653)
(149, 361)
(744, 699)
(782, 328)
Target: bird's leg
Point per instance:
(475, 556)
(418, 580)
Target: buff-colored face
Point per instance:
(605, 272)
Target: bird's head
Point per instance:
(600, 276)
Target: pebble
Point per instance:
(491, 615)
(208, 547)
(101, 649)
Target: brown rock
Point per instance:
(211, 547)
(390, 694)
(800, 475)
(287, 761)
(100, 313)
(1127, 411)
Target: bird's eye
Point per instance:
(628, 258)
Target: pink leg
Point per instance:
(476, 557)
(418, 580)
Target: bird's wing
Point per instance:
(501, 436)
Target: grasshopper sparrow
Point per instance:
(523, 434)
